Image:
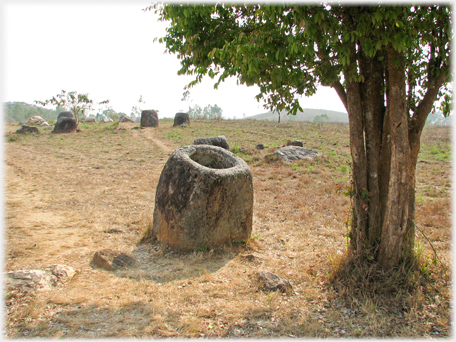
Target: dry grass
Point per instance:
(63, 192)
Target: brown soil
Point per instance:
(63, 193)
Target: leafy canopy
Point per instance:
(289, 49)
(78, 104)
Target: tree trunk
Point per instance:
(383, 168)
(396, 212)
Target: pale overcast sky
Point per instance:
(106, 49)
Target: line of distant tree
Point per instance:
(21, 112)
(209, 112)
(321, 118)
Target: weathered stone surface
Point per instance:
(63, 273)
(149, 118)
(44, 124)
(39, 279)
(292, 153)
(65, 125)
(90, 119)
(111, 260)
(38, 120)
(220, 141)
(65, 115)
(295, 143)
(106, 119)
(27, 129)
(204, 198)
(181, 118)
(123, 118)
(268, 281)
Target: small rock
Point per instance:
(249, 257)
(259, 146)
(292, 153)
(295, 143)
(111, 260)
(268, 281)
(27, 129)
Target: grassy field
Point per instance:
(63, 193)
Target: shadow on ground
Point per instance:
(154, 262)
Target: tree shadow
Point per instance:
(156, 262)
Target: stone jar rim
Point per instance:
(210, 157)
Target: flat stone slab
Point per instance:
(39, 279)
(293, 153)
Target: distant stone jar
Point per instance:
(181, 118)
(149, 118)
(65, 125)
(65, 115)
(204, 199)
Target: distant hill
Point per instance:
(333, 116)
(308, 114)
(21, 111)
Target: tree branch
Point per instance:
(425, 106)
(341, 92)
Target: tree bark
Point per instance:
(397, 213)
(358, 153)
(374, 109)
(384, 145)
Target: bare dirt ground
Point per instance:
(64, 193)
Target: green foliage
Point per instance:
(209, 112)
(321, 118)
(136, 110)
(19, 111)
(111, 113)
(290, 49)
(78, 104)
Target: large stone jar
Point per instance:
(181, 118)
(65, 125)
(149, 118)
(204, 199)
